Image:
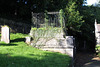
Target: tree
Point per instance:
(49, 5)
(89, 14)
(73, 18)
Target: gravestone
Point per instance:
(28, 40)
(5, 34)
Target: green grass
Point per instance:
(97, 47)
(18, 54)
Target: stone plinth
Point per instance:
(62, 45)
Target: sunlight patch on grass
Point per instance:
(18, 54)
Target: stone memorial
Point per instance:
(28, 40)
(5, 34)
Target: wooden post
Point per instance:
(5, 34)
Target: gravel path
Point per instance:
(84, 59)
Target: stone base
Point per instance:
(63, 51)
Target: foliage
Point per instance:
(23, 8)
(97, 48)
(96, 13)
(18, 54)
(61, 13)
(73, 19)
(89, 13)
(46, 18)
(49, 5)
(49, 32)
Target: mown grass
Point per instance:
(18, 54)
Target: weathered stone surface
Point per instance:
(5, 34)
(62, 45)
(28, 40)
(69, 41)
(67, 51)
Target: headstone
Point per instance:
(70, 45)
(28, 40)
(69, 40)
(5, 34)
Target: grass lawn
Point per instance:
(18, 54)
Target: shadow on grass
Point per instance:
(34, 60)
(18, 40)
(11, 42)
(4, 44)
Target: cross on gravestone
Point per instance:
(5, 34)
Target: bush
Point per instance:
(98, 50)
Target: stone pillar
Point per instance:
(5, 34)
(70, 45)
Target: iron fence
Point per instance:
(52, 19)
